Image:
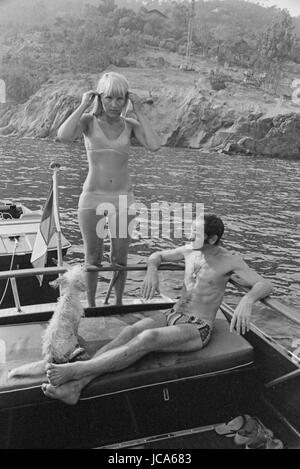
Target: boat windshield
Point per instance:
(281, 329)
(20, 343)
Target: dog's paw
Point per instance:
(79, 354)
(12, 373)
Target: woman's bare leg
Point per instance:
(93, 247)
(119, 249)
(119, 252)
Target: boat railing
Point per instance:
(273, 303)
(12, 275)
(31, 272)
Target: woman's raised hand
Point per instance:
(88, 97)
(136, 101)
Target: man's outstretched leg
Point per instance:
(158, 319)
(69, 392)
(181, 338)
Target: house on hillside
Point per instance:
(152, 13)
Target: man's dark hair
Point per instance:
(213, 225)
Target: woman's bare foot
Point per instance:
(69, 393)
(60, 374)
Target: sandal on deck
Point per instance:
(270, 443)
(230, 428)
(253, 433)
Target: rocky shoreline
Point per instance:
(183, 108)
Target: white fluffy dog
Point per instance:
(60, 339)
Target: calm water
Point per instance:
(257, 198)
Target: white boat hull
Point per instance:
(24, 232)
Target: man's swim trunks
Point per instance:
(205, 330)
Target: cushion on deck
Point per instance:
(224, 352)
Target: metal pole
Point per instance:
(55, 167)
(16, 294)
(190, 33)
(111, 285)
(13, 283)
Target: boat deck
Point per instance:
(177, 408)
(202, 440)
(49, 307)
(207, 438)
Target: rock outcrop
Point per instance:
(45, 111)
(183, 108)
(198, 120)
(268, 136)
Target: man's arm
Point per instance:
(167, 255)
(151, 281)
(259, 288)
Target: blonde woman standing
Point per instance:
(107, 135)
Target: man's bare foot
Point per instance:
(60, 374)
(68, 393)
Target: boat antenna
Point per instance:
(190, 34)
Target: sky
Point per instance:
(293, 6)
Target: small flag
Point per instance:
(49, 224)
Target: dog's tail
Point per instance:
(30, 370)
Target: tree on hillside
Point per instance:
(107, 6)
(154, 26)
(295, 53)
(125, 18)
(205, 41)
(48, 42)
(274, 47)
(279, 39)
(176, 25)
(20, 83)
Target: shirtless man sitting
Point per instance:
(186, 327)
